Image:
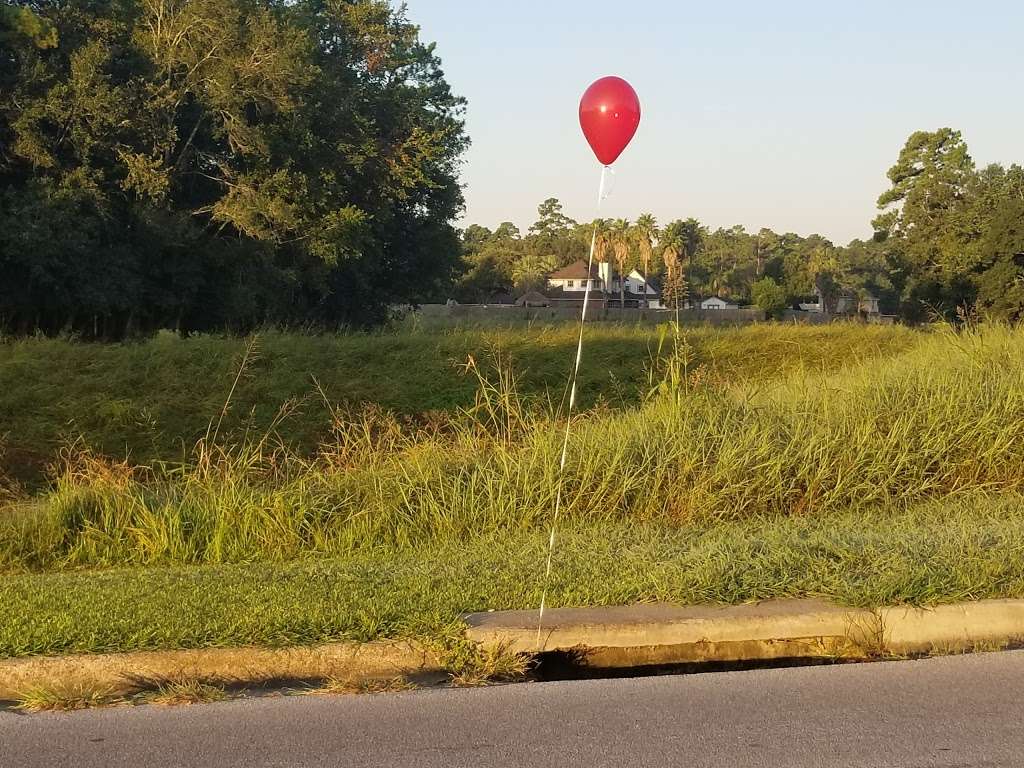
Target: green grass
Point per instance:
(870, 466)
(944, 417)
(967, 547)
(152, 400)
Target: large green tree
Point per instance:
(1000, 278)
(926, 213)
(220, 163)
(769, 296)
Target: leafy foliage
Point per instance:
(221, 163)
(948, 240)
(769, 296)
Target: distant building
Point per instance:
(718, 303)
(533, 299)
(850, 305)
(569, 285)
(647, 288)
(847, 304)
(575, 277)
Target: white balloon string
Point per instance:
(607, 185)
(602, 194)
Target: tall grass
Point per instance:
(945, 417)
(152, 400)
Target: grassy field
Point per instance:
(863, 464)
(153, 400)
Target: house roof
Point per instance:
(575, 271)
(719, 298)
(532, 298)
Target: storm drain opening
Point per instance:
(597, 664)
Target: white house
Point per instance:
(716, 303)
(643, 287)
(570, 283)
(576, 278)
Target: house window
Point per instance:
(572, 283)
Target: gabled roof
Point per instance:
(532, 298)
(575, 271)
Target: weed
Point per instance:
(66, 698)
(348, 686)
(183, 692)
(471, 664)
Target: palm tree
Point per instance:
(602, 239)
(621, 251)
(675, 286)
(621, 241)
(686, 238)
(646, 229)
(693, 238)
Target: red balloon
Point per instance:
(609, 116)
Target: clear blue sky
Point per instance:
(782, 114)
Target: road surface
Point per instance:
(957, 711)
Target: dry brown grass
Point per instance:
(473, 665)
(349, 686)
(67, 698)
(176, 693)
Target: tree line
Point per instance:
(220, 164)
(948, 242)
(223, 164)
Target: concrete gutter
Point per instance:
(624, 636)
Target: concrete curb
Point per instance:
(640, 635)
(914, 630)
(124, 672)
(617, 636)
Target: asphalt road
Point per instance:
(958, 711)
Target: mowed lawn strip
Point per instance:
(961, 548)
